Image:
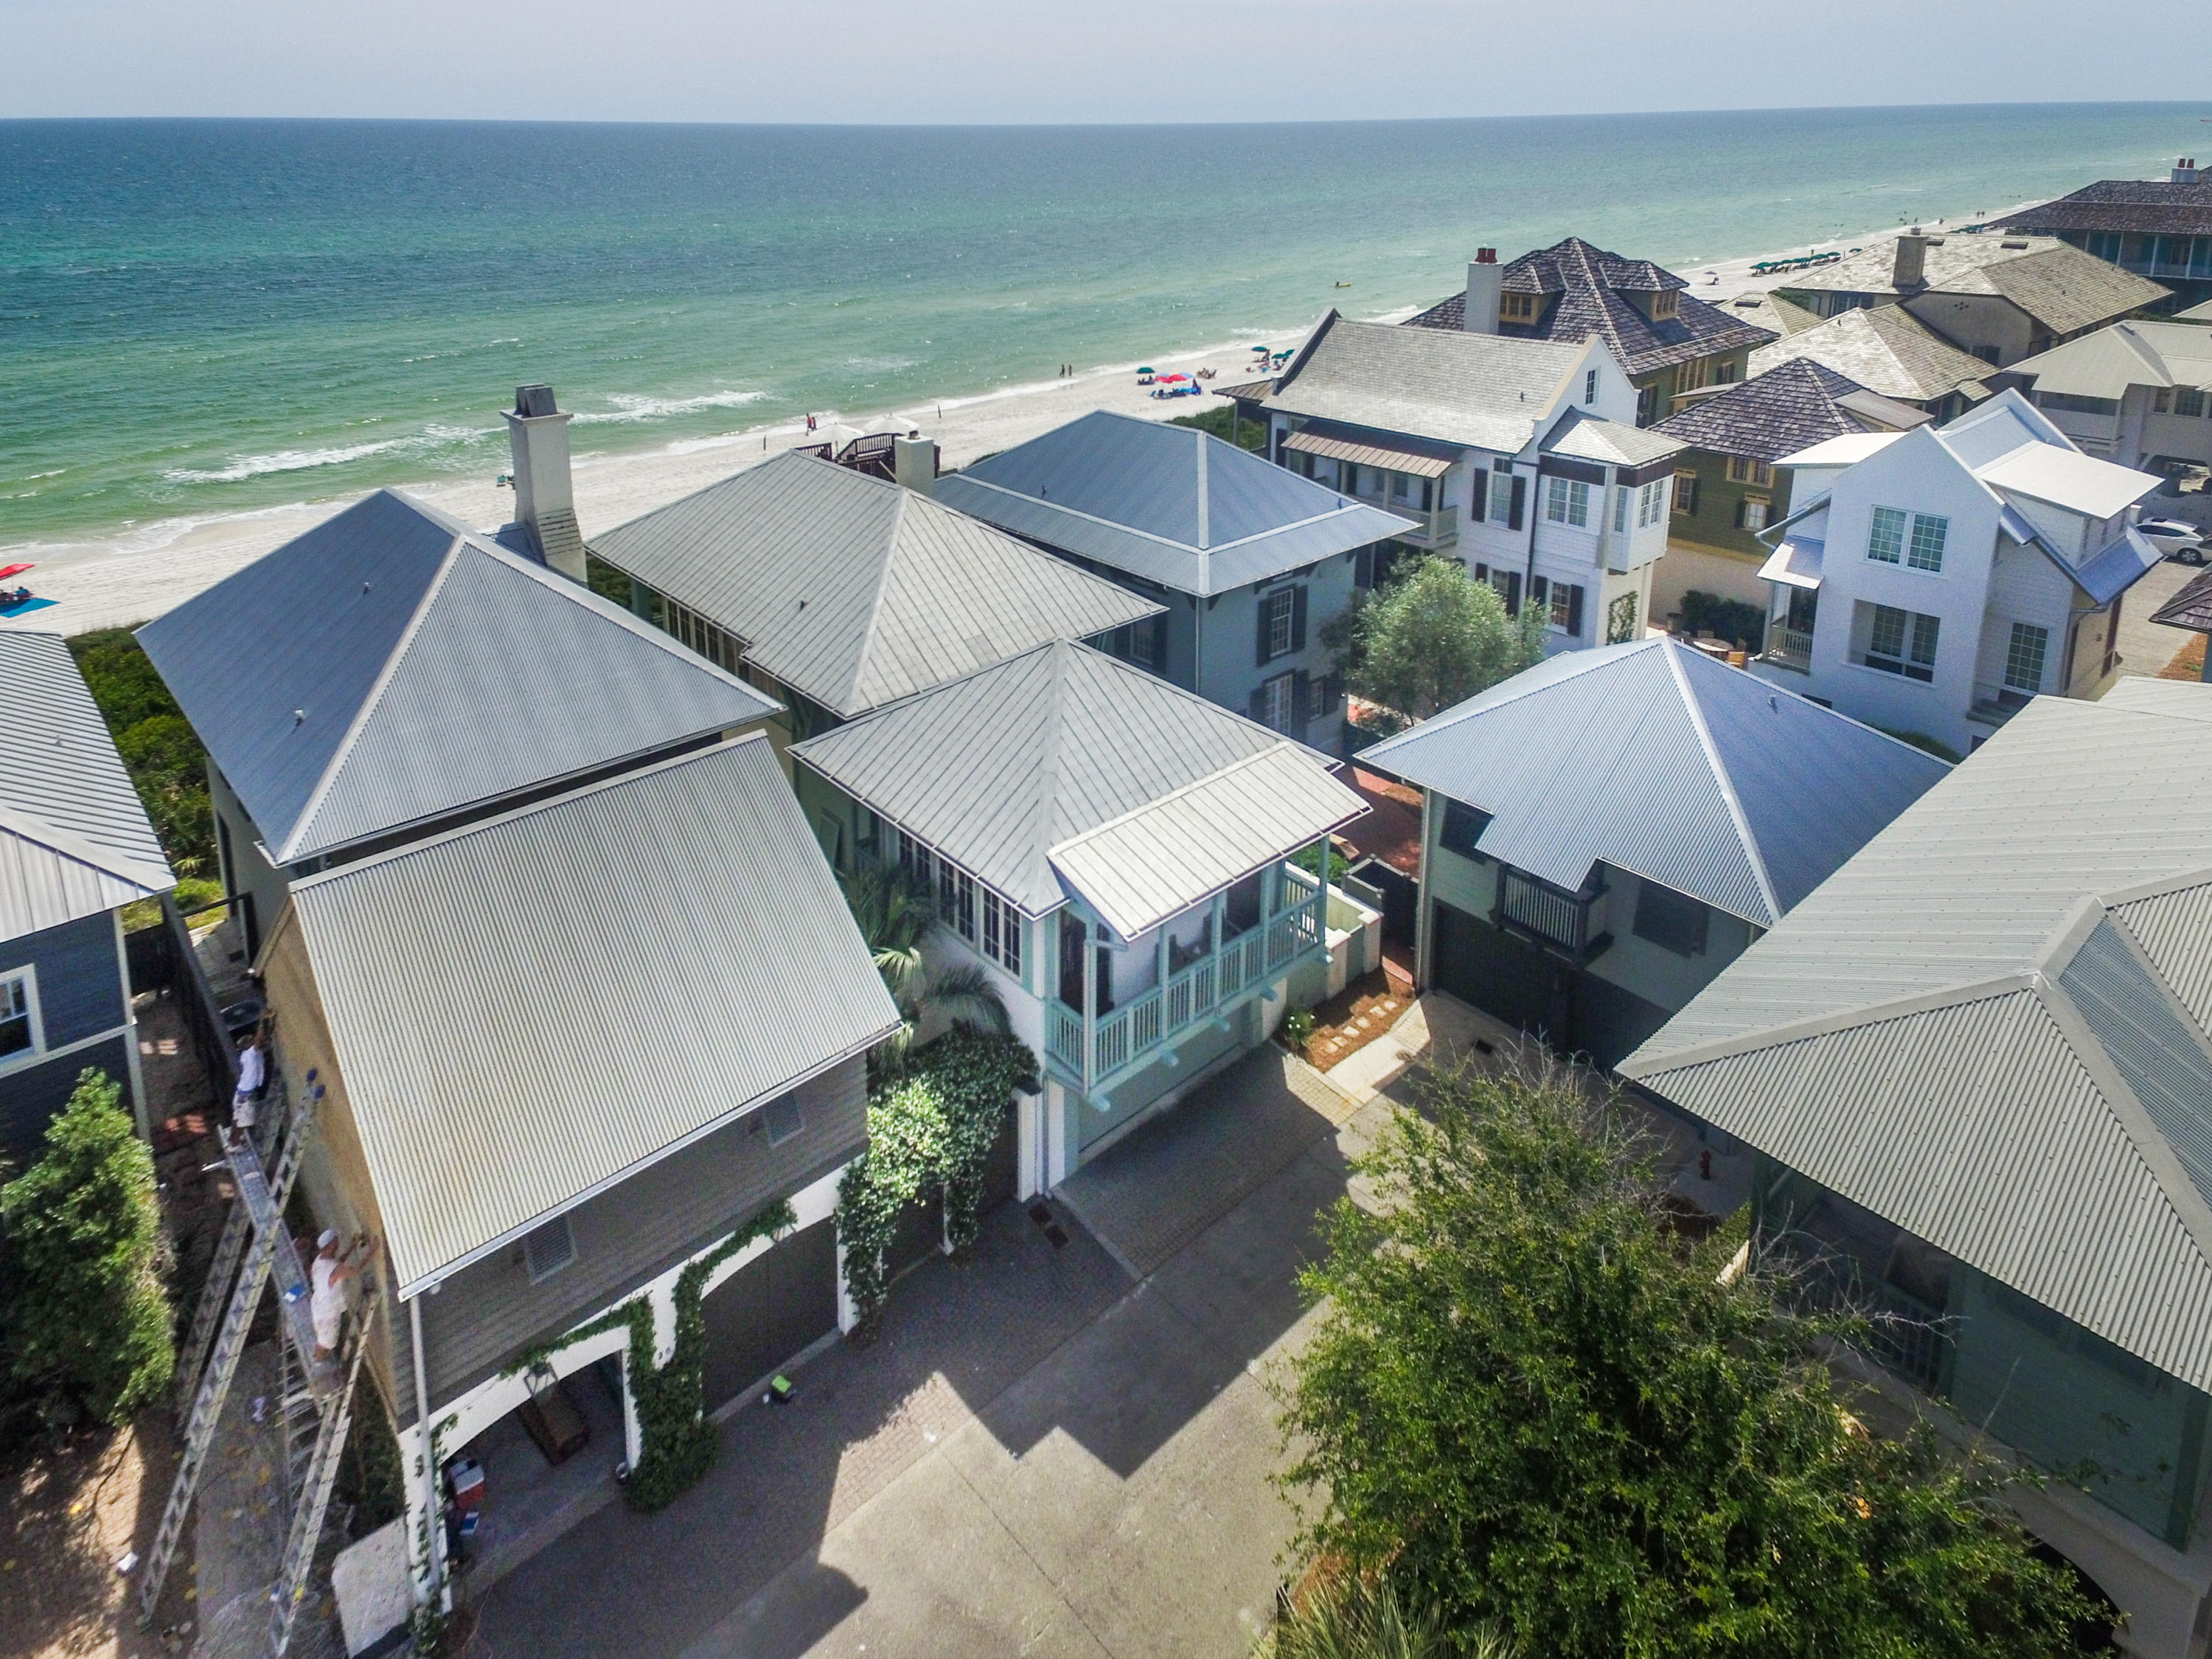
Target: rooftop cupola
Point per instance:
(545, 499)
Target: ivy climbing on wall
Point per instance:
(677, 1443)
(930, 1132)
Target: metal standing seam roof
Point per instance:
(1586, 437)
(1887, 350)
(1146, 866)
(2144, 352)
(1990, 1026)
(527, 1011)
(998, 769)
(1488, 391)
(856, 592)
(390, 667)
(75, 840)
(1397, 455)
(1655, 759)
(1589, 284)
(1171, 504)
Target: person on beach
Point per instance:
(327, 1281)
(253, 1077)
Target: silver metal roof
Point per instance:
(1586, 437)
(1655, 759)
(1145, 866)
(528, 1010)
(855, 592)
(1489, 391)
(998, 769)
(1168, 504)
(2146, 352)
(1411, 455)
(390, 667)
(74, 838)
(1990, 1026)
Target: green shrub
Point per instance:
(84, 1291)
(1926, 745)
(1724, 619)
(159, 748)
(1249, 434)
(1298, 1029)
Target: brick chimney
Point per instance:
(544, 500)
(2185, 171)
(1486, 283)
(1909, 271)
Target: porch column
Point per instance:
(1090, 1007)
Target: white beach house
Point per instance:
(1932, 582)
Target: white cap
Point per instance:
(329, 1237)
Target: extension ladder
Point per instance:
(311, 1460)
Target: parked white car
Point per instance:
(2182, 542)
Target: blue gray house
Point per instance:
(1250, 560)
(75, 849)
(1605, 832)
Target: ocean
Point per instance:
(200, 318)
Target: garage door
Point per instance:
(1506, 979)
(770, 1309)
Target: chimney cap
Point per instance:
(1486, 256)
(534, 400)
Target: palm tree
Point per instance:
(895, 919)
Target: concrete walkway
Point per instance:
(1052, 1450)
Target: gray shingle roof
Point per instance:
(74, 838)
(1792, 406)
(1887, 350)
(1655, 759)
(1484, 390)
(1584, 285)
(1586, 437)
(2057, 283)
(998, 769)
(1173, 505)
(527, 1010)
(390, 667)
(854, 591)
(1989, 1027)
(2144, 204)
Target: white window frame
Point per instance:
(1651, 503)
(1282, 610)
(2042, 656)
(1907, 655)
(28, 977)
(1501, 500)
(1877, 529)
(1283, 688)
(1941, 533)
(1566, 500)
(1590, 386)
(1002, 931)
(1755, 511)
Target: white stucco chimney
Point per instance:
(1485, 281)
(2185, 171)
(1912, 267)
(913, 463)
(545, 499)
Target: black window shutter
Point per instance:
(1257, 708)
(1478, 494)
(1260, 655)
(1539, 590)
(1160, 642)
(1298, 618)
(1575, 611)
(1481, 571)
(1513, 577)
(1302, 707)
(1519, 502)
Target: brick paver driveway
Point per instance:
(1054, 1450)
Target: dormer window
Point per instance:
(1517, 307)
(1665, 303)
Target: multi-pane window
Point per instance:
(1590, 386)
(1901, 642)
(1886, 540)
(1686, 494)
(1282, 606)
(16, 1036)
(1566, 500)
(1620, 508)
(716, 645)
(1002, 932)
(1926, 549)
(2024, 656)
(1751, 512)
(1275, 700)
(1690, 376)
(1562, 603)
(2188, 400)
(1517, 307)
(1501, 492)
(1650, 503)
(1742, 468)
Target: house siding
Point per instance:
(80, 980)
(245, 868)
(32, 1096)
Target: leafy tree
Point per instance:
(159, 748)
(1431, 637)
(1529, 1402)
(84, 1298)
(1221, 421)
(1728, 619)
(895, 919)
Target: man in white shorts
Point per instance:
(327, 1281)
(252, 1073)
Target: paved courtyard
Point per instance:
(1056, 1449)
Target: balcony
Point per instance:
(1534, 908)
(1790, 648)
(1437, 527)
(1141, 1030)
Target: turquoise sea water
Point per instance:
(200, 318)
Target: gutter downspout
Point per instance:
(434, 1526)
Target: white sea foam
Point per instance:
(281, 460)
(629, 407)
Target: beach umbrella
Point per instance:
(1170, 378)
(1144, 368)
(6, 571)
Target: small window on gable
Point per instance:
(1672, 921)
(1664, 304)
(1590, 386)
(18, 1035)
(784, 1119)
(549, 1248)
(1517, 307)
(1461, 829)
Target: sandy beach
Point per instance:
(141, 573)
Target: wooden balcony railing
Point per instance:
(1530, 905)
(1789, 646)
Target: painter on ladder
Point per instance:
(327, 1279)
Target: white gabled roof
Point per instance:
(1846, 451)
(527, 1011)
(2066, 477)
(75, 840)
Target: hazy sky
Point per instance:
(990, 61)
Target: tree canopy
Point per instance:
(1431, 637)
(84, 1307)
(159, 748)
(1531, 1404)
